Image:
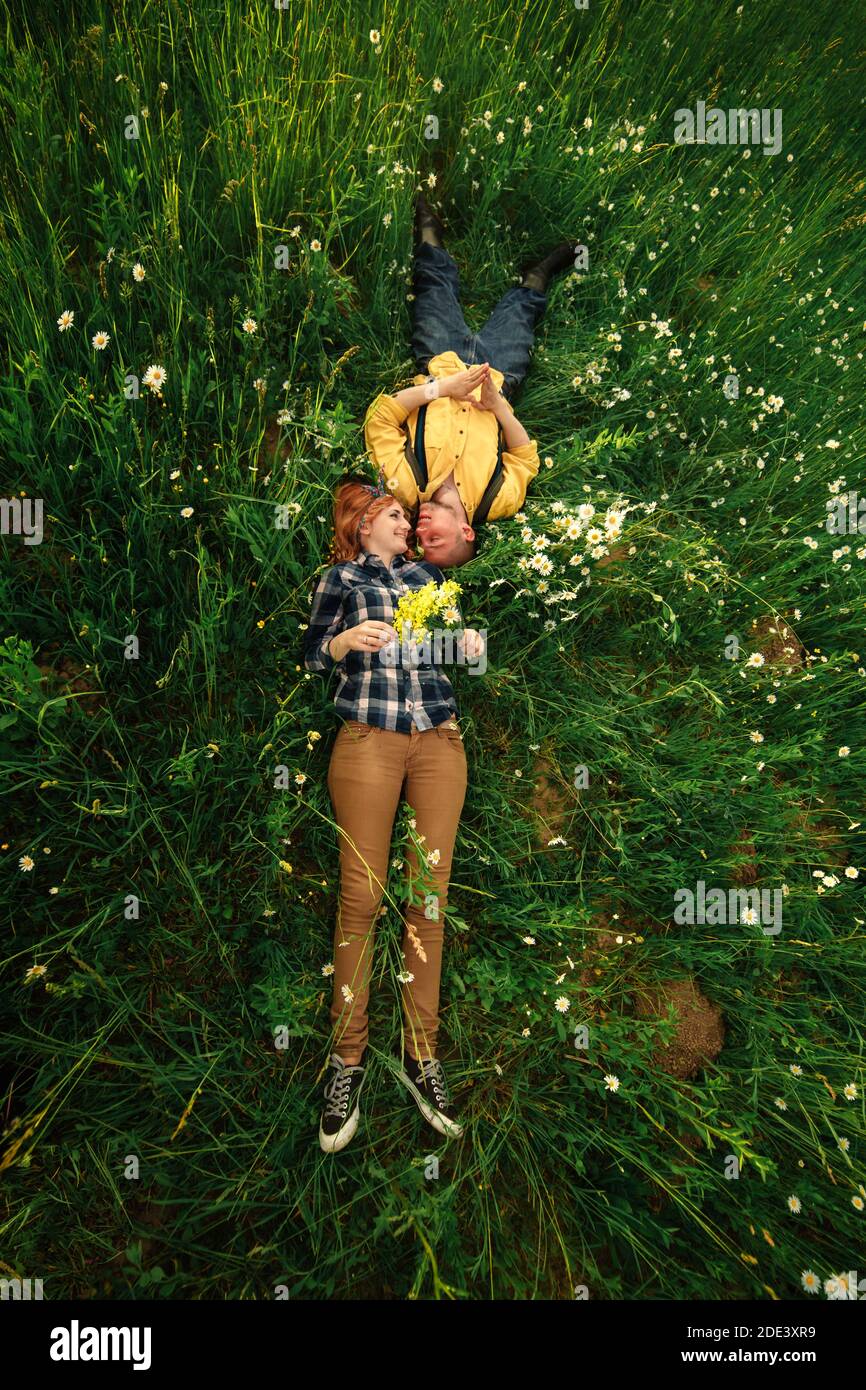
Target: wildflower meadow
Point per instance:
(654, 978)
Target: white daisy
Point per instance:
(155, 377)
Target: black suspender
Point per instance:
(417, 460)
(493, 486)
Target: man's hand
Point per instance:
(491, 398)
(460, 385)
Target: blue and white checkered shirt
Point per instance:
(393, 694)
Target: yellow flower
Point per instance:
(420, 605)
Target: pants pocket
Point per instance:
(450, 732)
(356, 732)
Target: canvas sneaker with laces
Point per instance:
(425, 1082)
(342, 1108)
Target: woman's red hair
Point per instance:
(352, 501)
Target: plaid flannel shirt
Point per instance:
(393, 696)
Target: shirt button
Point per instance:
(410, 704)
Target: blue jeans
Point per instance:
(438, 324)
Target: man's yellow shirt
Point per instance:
(458, 439)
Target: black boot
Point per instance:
(538, 276)
(428, 224)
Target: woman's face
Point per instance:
(388, 532)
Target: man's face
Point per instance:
(443, 532)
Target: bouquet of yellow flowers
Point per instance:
(420, 605)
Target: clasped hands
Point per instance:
(460, 386)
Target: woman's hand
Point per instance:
(473, 643)
(461, 384)
(491, 398)
(368, 636)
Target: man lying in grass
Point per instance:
(451, 448)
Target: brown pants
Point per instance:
(369, 769)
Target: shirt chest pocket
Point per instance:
(437, 425)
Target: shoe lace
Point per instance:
(337, 1092)
(432, 1071)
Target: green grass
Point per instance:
(146, 776)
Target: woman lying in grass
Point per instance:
(400, 732)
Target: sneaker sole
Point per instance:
(451, 1129)
(333, 1143)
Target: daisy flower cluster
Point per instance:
(853, 523)
(838, 1286)
(831, 880)
(832, 1287)
(692, 365)
(155, 376)
(560, 541)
